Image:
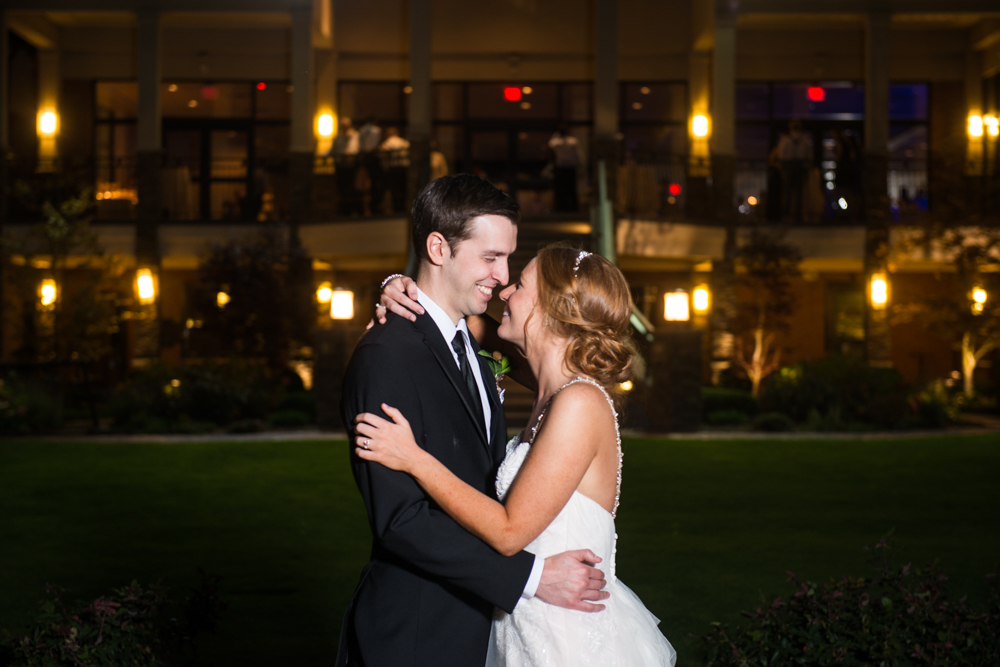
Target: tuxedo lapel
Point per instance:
(435, 341)
(496, 439)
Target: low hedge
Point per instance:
(135, 625)
(900, 617)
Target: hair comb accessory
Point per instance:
(579, 258)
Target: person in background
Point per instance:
(346, 146)
(566, 157)
(396, 160)
(439, 163)
(795, 152)
(369, 140)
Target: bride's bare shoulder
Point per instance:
(582, 401)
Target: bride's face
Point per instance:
(520, 299)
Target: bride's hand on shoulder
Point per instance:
(390, 443)
(399, 296)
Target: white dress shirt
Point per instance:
(448, 330)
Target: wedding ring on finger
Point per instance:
(365, 443)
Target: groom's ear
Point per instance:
(438, 249)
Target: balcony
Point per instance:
(655, 187)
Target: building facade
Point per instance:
(844, 122)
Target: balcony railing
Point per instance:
(657, 187)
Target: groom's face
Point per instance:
(478, 265)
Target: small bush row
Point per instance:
(901, 617)
(136, 625)
(197, 398)
(835, 393)
(28, 410)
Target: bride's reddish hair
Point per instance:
(590, 306)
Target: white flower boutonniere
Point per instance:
(499, 366)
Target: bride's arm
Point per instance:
(400, 296)
(561, 455)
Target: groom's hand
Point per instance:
(570, 580)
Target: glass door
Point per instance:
(206, 171)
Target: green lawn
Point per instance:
(705, 527)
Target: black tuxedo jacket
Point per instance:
(426, 596)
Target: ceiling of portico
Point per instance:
(172, 19)
(91, 19)
(856, 21)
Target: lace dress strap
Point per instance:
(618, 435)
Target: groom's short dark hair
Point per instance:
(448, 204)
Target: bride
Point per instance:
(561, 478)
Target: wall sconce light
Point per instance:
(975, 126)
(221, 299)
(626, 385)
(48, 123)
(324, 293)
(342, 304)
(879, 291)
(325, 125)
(992, 126)
(145, 286)
(48, 293)
(979, 297)
(675, 306)
(699, 126)
(701, 299)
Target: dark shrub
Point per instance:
(935, 406)
(901, 617)
(26, 409)
(840, 386)
(298, 401)
(290, 418)
(773, 422)
(715, 399)
(246, 426)
(727, 418)
(213, 393)
(132, 626)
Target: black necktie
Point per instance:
(458, 343)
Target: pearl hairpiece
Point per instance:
(579, 258)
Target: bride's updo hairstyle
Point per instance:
(589, 303)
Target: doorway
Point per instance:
(206, 171)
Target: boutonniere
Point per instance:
(499, 366)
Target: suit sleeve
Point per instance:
(404, 521)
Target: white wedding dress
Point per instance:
(624, 634)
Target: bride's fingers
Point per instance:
(366, 430)
(395, 414)
(374, 420)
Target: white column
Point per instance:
(877, 84)
(974, 107)
(420, 70)
(148, 65)
(49, 82)
(606, 70)
(724, 86)
(4, 84)
(149, 140)
(303, 137)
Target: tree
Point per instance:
(76, 321)
(268, 304)
(967, 310)
(766, 263)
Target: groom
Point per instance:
(426, 596)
